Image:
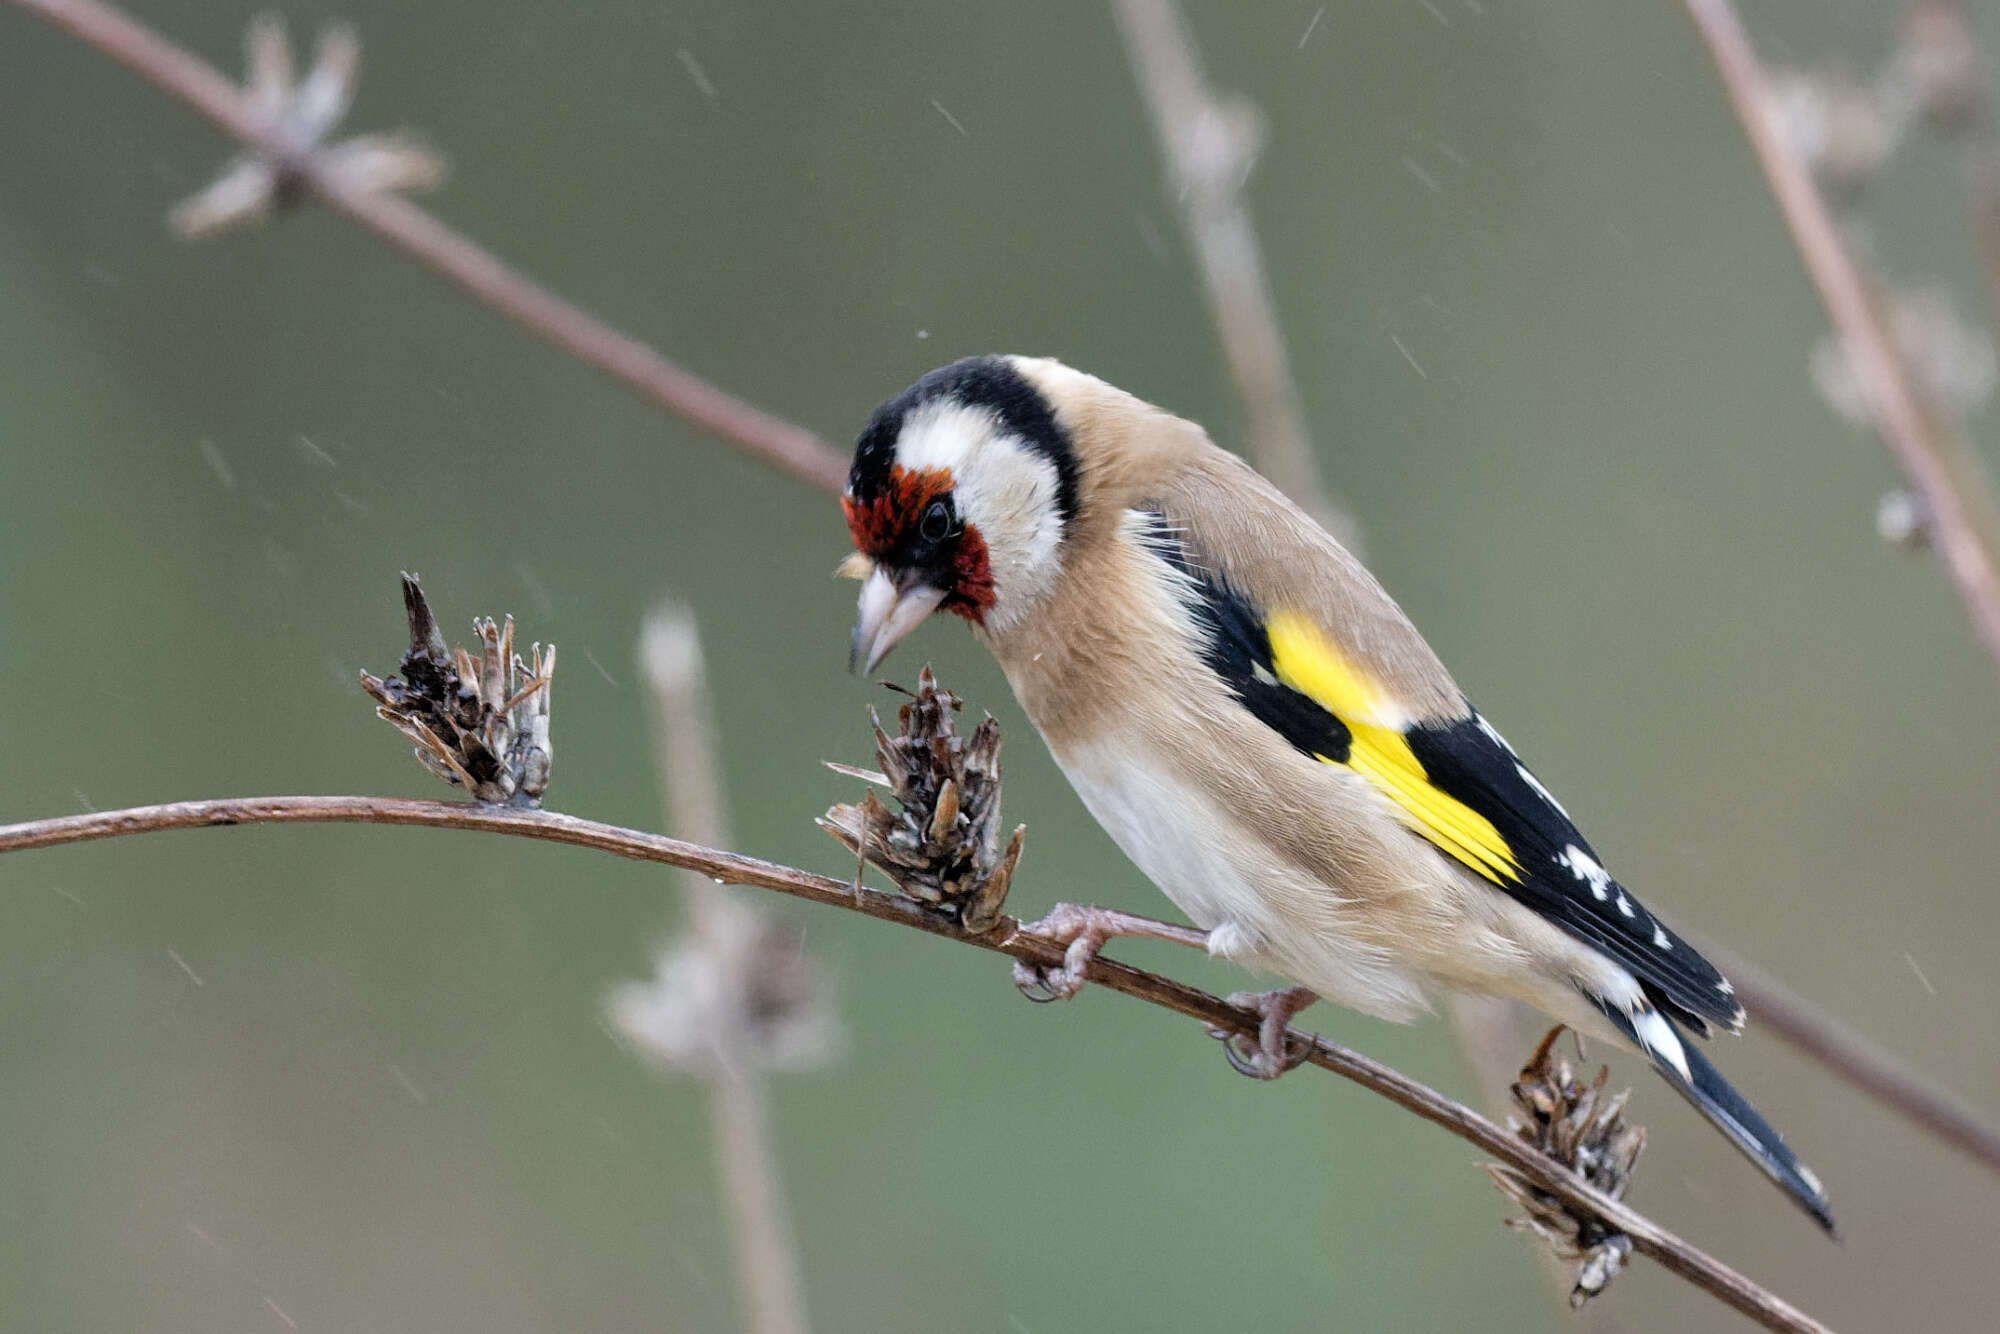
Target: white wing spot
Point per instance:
(1625, 906)
(1493, 735)
(1540, 791)
(1725, 988)
(1585, 868)
(1660, 937)
(1810, 1177)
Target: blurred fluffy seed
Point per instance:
(941, 845)
(382, 163)
(1938, 63)
(1580, 1127)
(267, 62)
(244, 193)
(1954, 360)
(1903, 521)
(327, 91)
(301, 113)
(742, 991)
(1842, 129)
(480, 722)
(736, 989)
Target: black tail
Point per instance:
(1704, 1086)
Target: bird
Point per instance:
(1259, 728)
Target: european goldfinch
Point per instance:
(1258, 726)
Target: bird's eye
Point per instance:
(935, 526)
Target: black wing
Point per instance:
(1552, 868)
(1561, 876)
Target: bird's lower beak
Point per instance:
(888, 611)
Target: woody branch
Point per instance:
(1004, 937)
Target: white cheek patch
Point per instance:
(942, 435)
(1001, 487)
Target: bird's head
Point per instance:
(963, 490)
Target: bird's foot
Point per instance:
(1082, 931)
(1274, 1050)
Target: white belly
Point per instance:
(1251, 901)
(1173, 833)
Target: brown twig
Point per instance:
(418, 234)
(1650, 1239)
(1208, 146)
(1956, 499)
(1858, 1061)
(1936, 461)
(769, 1286)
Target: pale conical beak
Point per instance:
(886, 614)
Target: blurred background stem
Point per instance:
(769, 1287)
(1940, 465)
(1208, 146)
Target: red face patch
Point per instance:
(972, 593)
(884, 529)
(880, 526)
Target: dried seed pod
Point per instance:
(1586, 1131)
(480, 723)
(943, 845)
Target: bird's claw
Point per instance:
(1247, 1057)
(1081, 931)
(1273, 1049)
(1042, 985)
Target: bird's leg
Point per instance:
(1082, 931)
(1274, 1051)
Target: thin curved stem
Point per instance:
(1007, 937)
(1940, 467)
(770, 1286)
(1208, 146)
(1858, 1061)
(420, 235)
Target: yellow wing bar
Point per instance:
(1305, 659)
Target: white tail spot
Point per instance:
(1657, 1036)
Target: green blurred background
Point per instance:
(1610, 496)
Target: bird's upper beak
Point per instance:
(891, 607)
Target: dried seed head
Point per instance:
(942, 846)
(480, 723)
(1586, 1131)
